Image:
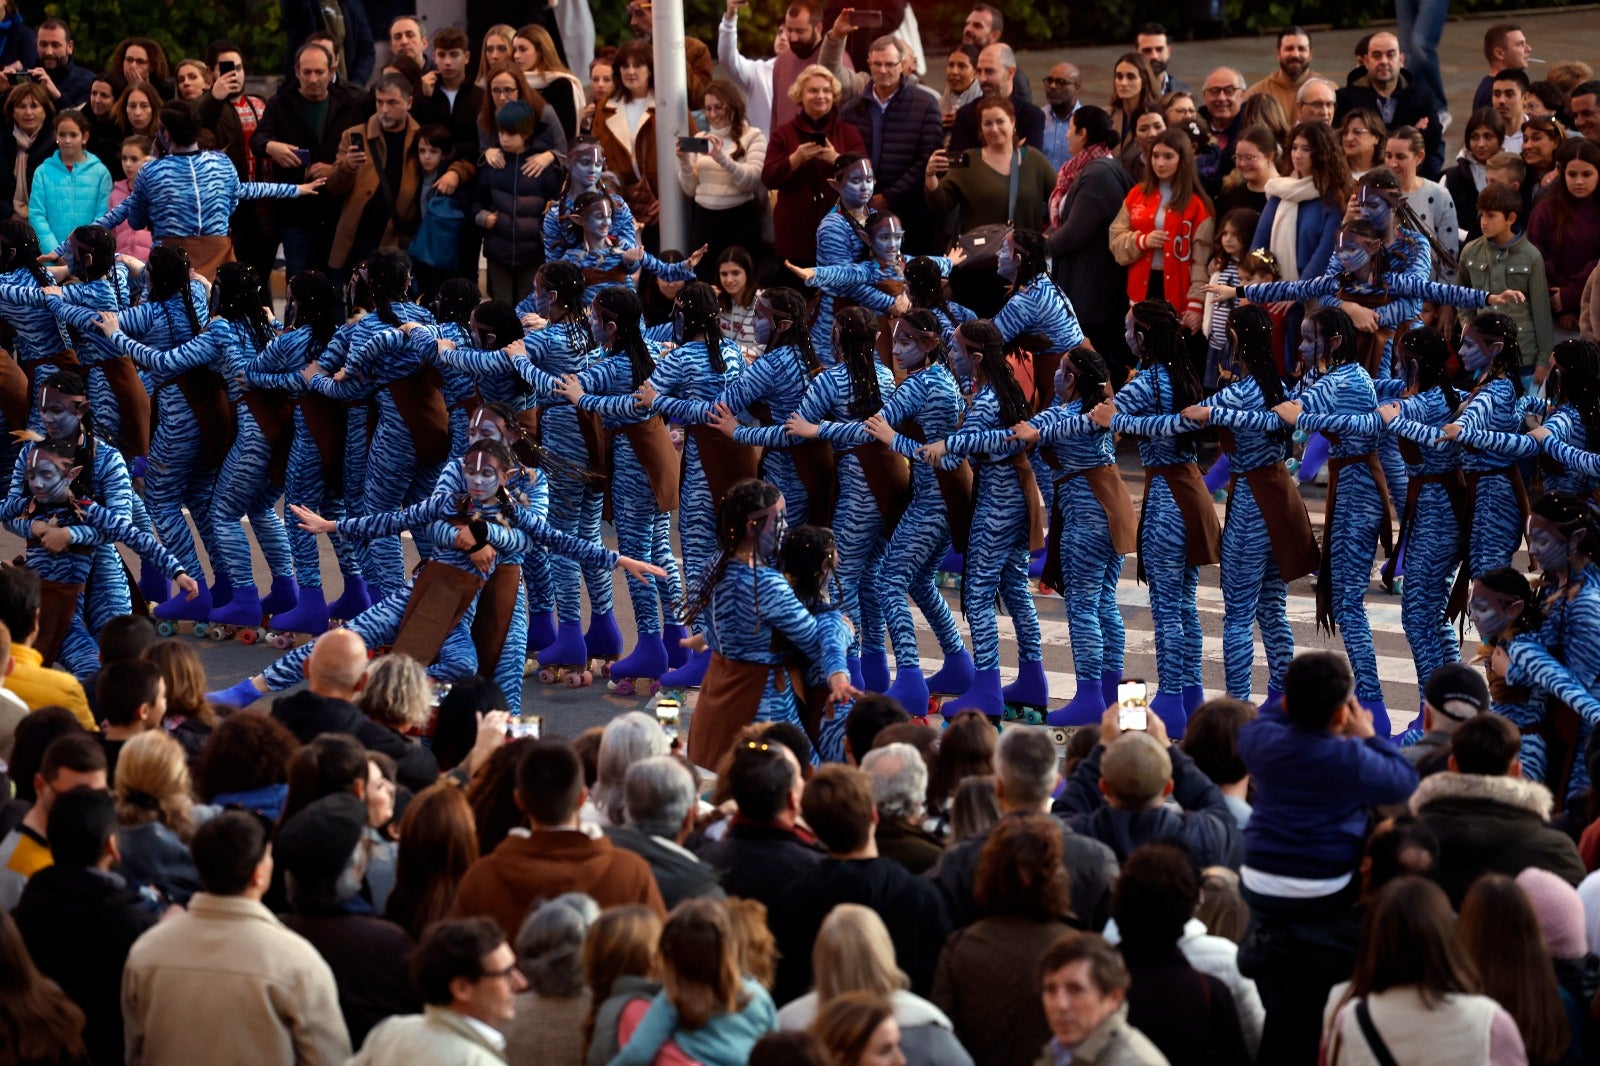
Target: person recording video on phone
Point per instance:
(800, 161)
(66, 82)
(1119, 794)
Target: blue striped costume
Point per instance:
(997, 548)
(39, 337)
(778, 379)
(388, 356)
(107, 595)
(745, 630)
(612, 260)
(1567, 446)
(93, 525)
(1433, 541)
(833, 632)
(1252, 589)
(857, 522)
(685, 375)
(871, 283)
(922, 536)
(1144, 408)
(75, 308)
(1564, 662)
(839, 243)
(278, 366)
(242, 486)
(561, 236)
(1040, 307)
(189, 194)
(643, 531)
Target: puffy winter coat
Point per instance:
(62, 198)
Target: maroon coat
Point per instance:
(804, 194)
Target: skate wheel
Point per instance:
(217, 633)
(588, 678)
(920, 719)
(623, 686)
(574, 678)
(548, 676)
(166, 629)
(200, 628)
(604, 669)
(283, 641)
(249, 636)
(1220, 496)
(655, 686)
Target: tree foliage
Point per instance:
(183, 27)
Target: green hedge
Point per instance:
(184, 28)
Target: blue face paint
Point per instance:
(1475, 355)
(908, 353)
(1548, 546)
(1130, 335)
(49, 479)
(586, 165)
(1312, 347)
(1352, 257)
(887, 238)
(856, 186)
(961, 357)
(1374, 207)
(485, 426)
(482, 477)
(1489, 613)
(60, 415)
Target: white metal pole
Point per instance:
(672, 111)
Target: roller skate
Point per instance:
(984, 696)
(950, 568)
(952, 679)
(910, 690)
(874, 671)
(1026, 697)
(284, 596)
(1109, 680)
(1193, 696)
(153, 584)
(1380, 717)
(853, 664)
(673, 635)
(1086, 707)
(566, 658)
(603, 641)
(1036, 564)
(689, 675)
(221, 590)
(541, 631)
(238, 696)
(309, 617)
(639, 673)
(1216, 478)
(240, 619)
(1274, 699)
(351, 602)
(1168, 706)
(171, 614)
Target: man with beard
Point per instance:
(65, 81)
(376, 175)
(1061, 98)
(983, 27)
(1151, 42)
(1294, 70)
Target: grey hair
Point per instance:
(899, 780)
(1025, 764)
(628, 738)
(397, 693)
(660, 794)
(888, 40)
(1008, 58)
(550, 948)
(1300, 93)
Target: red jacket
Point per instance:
(1185, 254)
(804, 194)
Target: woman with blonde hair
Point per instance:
(155, 816)
(496, 49)
(533, 50)
(398, 700)
(853, 953)
(619, 964)
(190, 718)
(706, 1007)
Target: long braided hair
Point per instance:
(1033, 257)
(925, 321)
(789, 305)
(925, 286)
(19, 250)
(858, 351)
(388, 274)
(1431, 357)
(497, 323)
(564, 282)
(1331, 322)
(743, 500)
(453, 303)
(96, 252)
(168, 271)
(316, 306)
(990, 367)
(1507, 363)
(702, 321)
(1577, 374)
(1252, 330)
(71, 383)
(1092, 376)
(1164, 347)
(809, 558)
(620, 306)
(236, 296)
(1384, 179)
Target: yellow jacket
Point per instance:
(39, 686)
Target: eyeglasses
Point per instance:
(1226, 90)
(1061, 81)
(505, 973)
(510, 90)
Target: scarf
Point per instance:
(1069, 174)
(19, 198)
(1283, 243)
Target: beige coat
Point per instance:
(435, 1037)
(1114, 1043)
(225, 983)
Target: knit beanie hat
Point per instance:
(1560, 912)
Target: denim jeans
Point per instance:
(1421, 27)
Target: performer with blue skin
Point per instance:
(604, 260)
(809, 558)
(1505, 610)
(925, 291)
(235, 336)
(586, 168)
(40, 345)
(314, 311)
(841, 237)
(873, 480)
(644, 474)
(479, 519)
(1435, 507)
(1178, 531)
(1092, 527)
(755, 627)
(1008, 522)
(927, 405)
(878, 282)
(1267, 539)
(696, 370)
(62, 533)
(1573, 392)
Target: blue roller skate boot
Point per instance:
(910, 690)
(1086, 707)
(954, 677)
(603, 641)
(541, 631)
(875, 671)
(1029, 694)
(690, 674)
(238, 696)
(984, 696)
(284, 596)
(353, 600)
(639, 672)
(153, 584)
(243, 610)
(673, 635)
(178, 609)
(309, 615)
(1168, 706)
(1380, 717)
(1109, 680)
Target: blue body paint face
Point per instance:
(1130, 336)
(1066, 383)
(487, 426)
(60, 415)
(1374, 207)
(1475, 353)
(586, 165)
(769, 525)
(483, 477)
(961, 357)
(856, 186)
(1312, 346)
(1352, 257)
(1548, 546)
(908, 350)
(887, 237)
(1491, 613)
(1006, 263)
(597, 224)
(49, 478)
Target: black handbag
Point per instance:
(982, 243)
